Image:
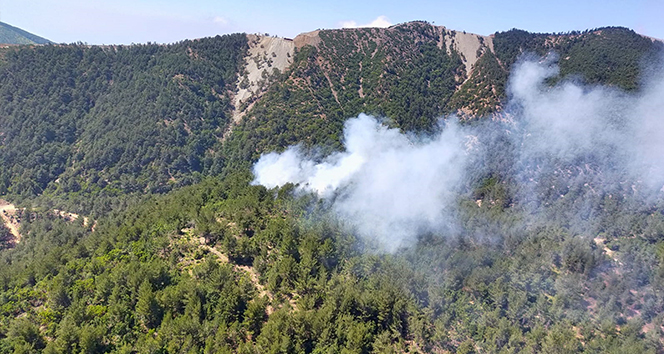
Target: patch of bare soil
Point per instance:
(264, 56)
(10, 218)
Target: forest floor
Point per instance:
(250, 271)
(612, 254)
(12, 220)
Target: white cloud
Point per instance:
(220, 20)
(380, 21)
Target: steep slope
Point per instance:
(611, 56)
(406, 72)
(415, 73)
(14, 35)
(267, 57)
(229, 267)
(79, 121)
(470, 46)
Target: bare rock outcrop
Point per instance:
(266, 54)
(469, 45)
(308, 38)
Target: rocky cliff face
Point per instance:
(371, 69)
(265, 57)
(358, 64)
(413, 74)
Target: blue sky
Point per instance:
(166, 21)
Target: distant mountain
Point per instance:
(14, 35)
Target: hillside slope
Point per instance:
(95, 122)
(226, 266)
(82, 121)
(14, 35)
(415, 73)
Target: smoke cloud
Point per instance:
(604, 130)
(387, 185)
(558, 138)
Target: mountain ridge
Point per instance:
(470, 47)
(154, 146)
(10, 35)
(409, 74)
(276, 91)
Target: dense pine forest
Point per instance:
(91, 123)
(178, 250)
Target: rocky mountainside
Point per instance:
(109, 120)
(133, 222)
(415, 73)
(71, 115)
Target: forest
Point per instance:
(185, 253)
(83, 125)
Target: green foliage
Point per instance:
(138, 280)
(609, 56)
(405, 73)
(222, 266)
(82, 123)
(613, 56)
(483, 92)
(400, 73)
(6, 237)
(13, 35)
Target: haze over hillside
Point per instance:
(14, 35)
(368, 190)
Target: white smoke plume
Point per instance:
(392, 187)
(618, 132)
(385, 185)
